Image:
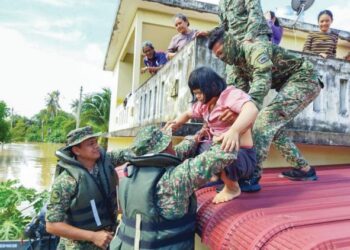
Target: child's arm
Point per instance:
(247, 116)
(179, 121)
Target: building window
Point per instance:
(161, 106)
(343, 96)
(155, 102)
(149, 104)
(317, 103)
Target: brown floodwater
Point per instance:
(33, 164)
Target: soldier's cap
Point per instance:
(79, 135)
(151, 139)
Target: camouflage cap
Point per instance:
(150, 139)
(79, 135)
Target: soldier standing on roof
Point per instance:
(263, 66)
(245, 20)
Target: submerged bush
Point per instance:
(17, 207)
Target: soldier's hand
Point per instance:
(228, 116)
(102, 238)
(230, 140)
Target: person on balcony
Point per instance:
(157, 195)
(211, 97)
(258, 70)
(82, 204)
(323, 42)
(153, 60)
(185, 35)
(274, 24)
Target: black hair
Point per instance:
(217, 35)
(325, 12)
(273, 15)
(183, 17)
(208, 81)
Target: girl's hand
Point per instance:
(228, 116)
(324, 55)
(229, 139)
(171, 125)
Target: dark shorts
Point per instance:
(243, 167)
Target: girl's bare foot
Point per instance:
(227, 193)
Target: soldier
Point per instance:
(82, 205)
(245, 20)
(158, 192)
(260, 67)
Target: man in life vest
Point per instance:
(157, 195)
(82, 205)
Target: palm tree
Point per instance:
(95, 109)
(52, 103)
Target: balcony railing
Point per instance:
(166, 95)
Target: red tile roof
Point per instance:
(283, 215)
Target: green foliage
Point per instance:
(4, 125)
(19, 130)
(95, 110)
(12, 219)
(52, 124)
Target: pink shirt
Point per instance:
(231, 98)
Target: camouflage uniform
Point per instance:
(260, 67)
(245, 20)
(63, 191)
(177, 184)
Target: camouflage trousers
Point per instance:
(67, 244)
(296, 94)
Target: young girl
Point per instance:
(323, 42)
(212, 97)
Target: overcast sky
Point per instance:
(49, 45)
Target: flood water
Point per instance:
(33, 164)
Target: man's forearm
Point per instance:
(65, 230)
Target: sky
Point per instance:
(49, 45)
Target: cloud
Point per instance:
(30, 72)
(67, 3)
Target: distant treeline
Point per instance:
(52, 124)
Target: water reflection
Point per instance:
(33, 164)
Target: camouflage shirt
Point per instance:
(243, 18)
(177, 185)
(63, 191)
(259, 66)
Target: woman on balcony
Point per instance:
(323, 42)
(184, 37)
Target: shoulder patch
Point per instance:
(263, 59)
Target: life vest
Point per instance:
(94, 204)
(142, 226)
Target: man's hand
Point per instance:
(202, 33)
(228, 116)
(230, 140)
(144, 69)
(102, 238)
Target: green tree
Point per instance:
(95, 110)
(52, 103)
(19, 130)
(4, 125)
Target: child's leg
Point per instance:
(230, 191)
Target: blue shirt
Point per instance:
(158, 60)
